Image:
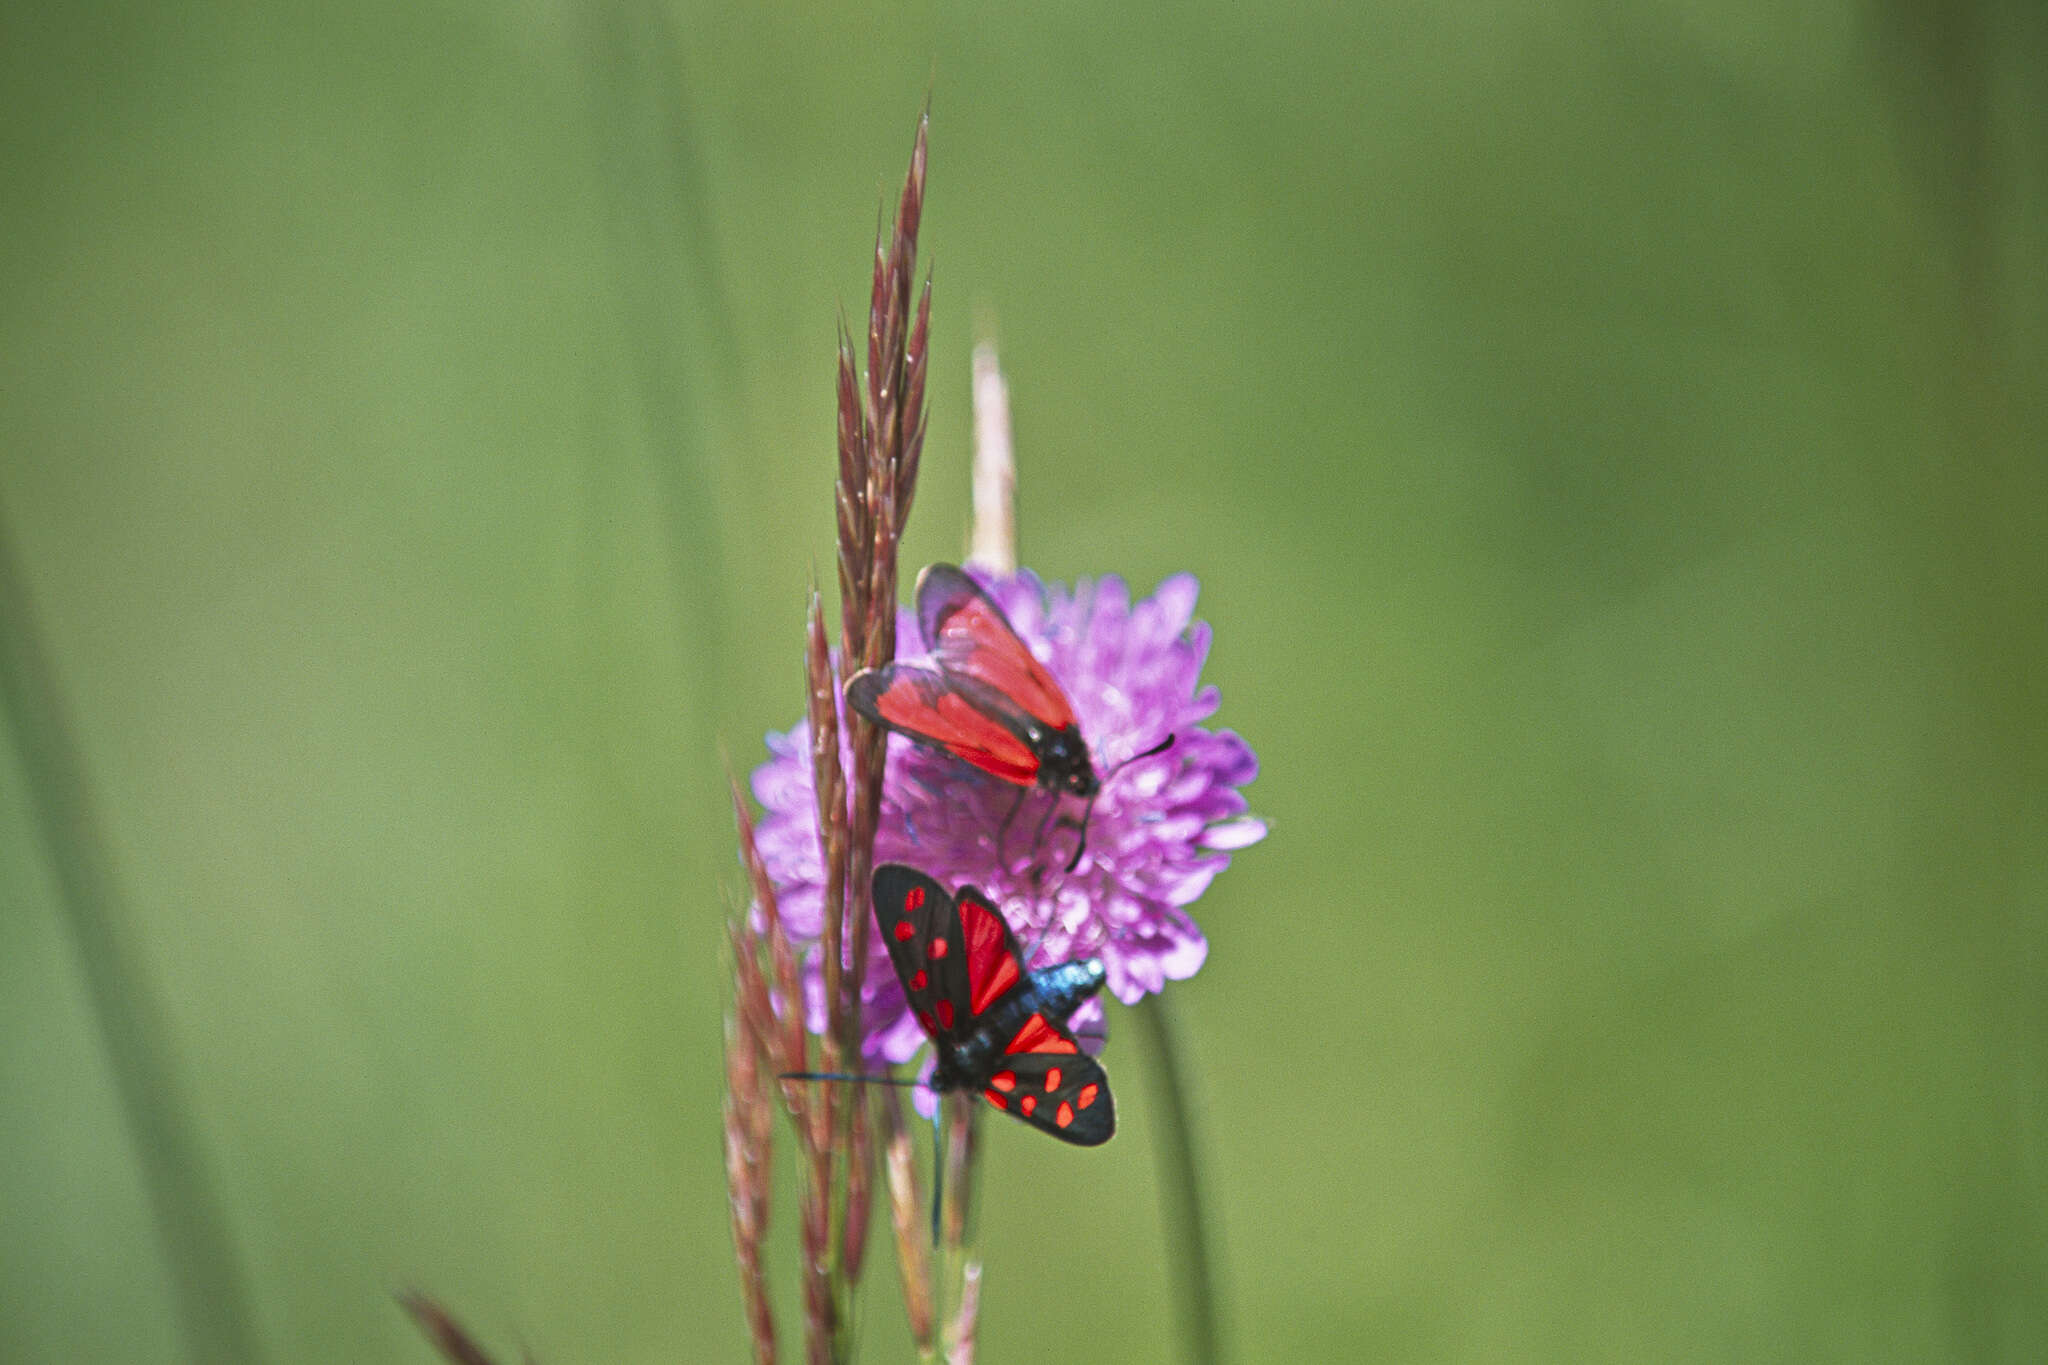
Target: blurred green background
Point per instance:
(1611, 439)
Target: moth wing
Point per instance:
(1047, 1081)
(953, 714)
(969, 636)
(920, 923)
(995, 966)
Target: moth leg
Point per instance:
(1080, 828)
(1003, 830)
(1052, 808)
(1030, 954)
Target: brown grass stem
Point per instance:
(449, 1337)
(749, 1145)
(880, 439)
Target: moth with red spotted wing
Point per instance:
(998, 1026)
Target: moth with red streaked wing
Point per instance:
(983, 697)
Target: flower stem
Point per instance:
(1180, 1190)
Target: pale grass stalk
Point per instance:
(992, 541)
(909, 1220)
(958, 1260)
(968, 1316)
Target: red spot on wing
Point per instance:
(905, 931)
(913, 899)
(1028, 1103)
(945, 1008)
(1065, 1115)
(992, 967)
(917, 979)
(997, 1100)
(925, 1020)
(1039, 1036)
(1052, 1079)
(1004, 1080)
(1087, 1095)
(940, 947)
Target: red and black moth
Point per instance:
(982, 697)
(997, 1026)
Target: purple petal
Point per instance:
(1237, 834)
(1184, 957)
(1176, 602)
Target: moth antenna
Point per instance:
(1087, 812)
(1161, 747)
(851, 1078)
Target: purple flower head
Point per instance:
(1161, 829)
